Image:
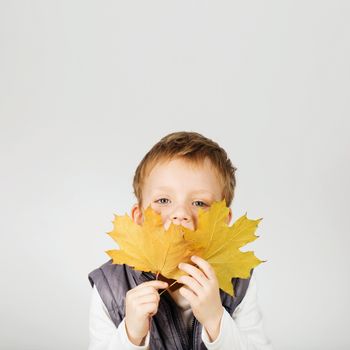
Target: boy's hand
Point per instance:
(141, 303)
(202, 292)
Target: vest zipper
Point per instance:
(174, 317)
(181, 339)
(193, 338)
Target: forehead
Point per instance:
(184, 175)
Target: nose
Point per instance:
(181, 216)
(178, 219)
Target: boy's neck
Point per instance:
(179, 300)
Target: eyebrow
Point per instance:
(166, 188)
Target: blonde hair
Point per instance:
(193, 147)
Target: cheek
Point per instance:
(159, 209)
(162, 212)
(156, 208)
(195, 221)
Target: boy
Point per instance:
(182, 172)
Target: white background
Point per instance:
(87, 87)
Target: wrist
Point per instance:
(136, 340)
(213, 326)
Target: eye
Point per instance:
(204, 204)
(157, 201)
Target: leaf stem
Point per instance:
(167, 288)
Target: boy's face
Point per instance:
(176, 189)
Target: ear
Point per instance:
(229, 216)
(136, 214)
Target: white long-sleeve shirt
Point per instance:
(243, 330)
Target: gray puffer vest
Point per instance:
(168, 331)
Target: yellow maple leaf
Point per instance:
(150, 247)
(219, 243)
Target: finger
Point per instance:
(150, 309)
(145, 299)
(154, 284)
(205, 266)
(188, 295)
(192, 284)
(194, 272)
(146, 290)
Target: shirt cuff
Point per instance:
(217, 343)
(126, 341)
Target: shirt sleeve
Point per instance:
(243, 330)
(103, 334)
